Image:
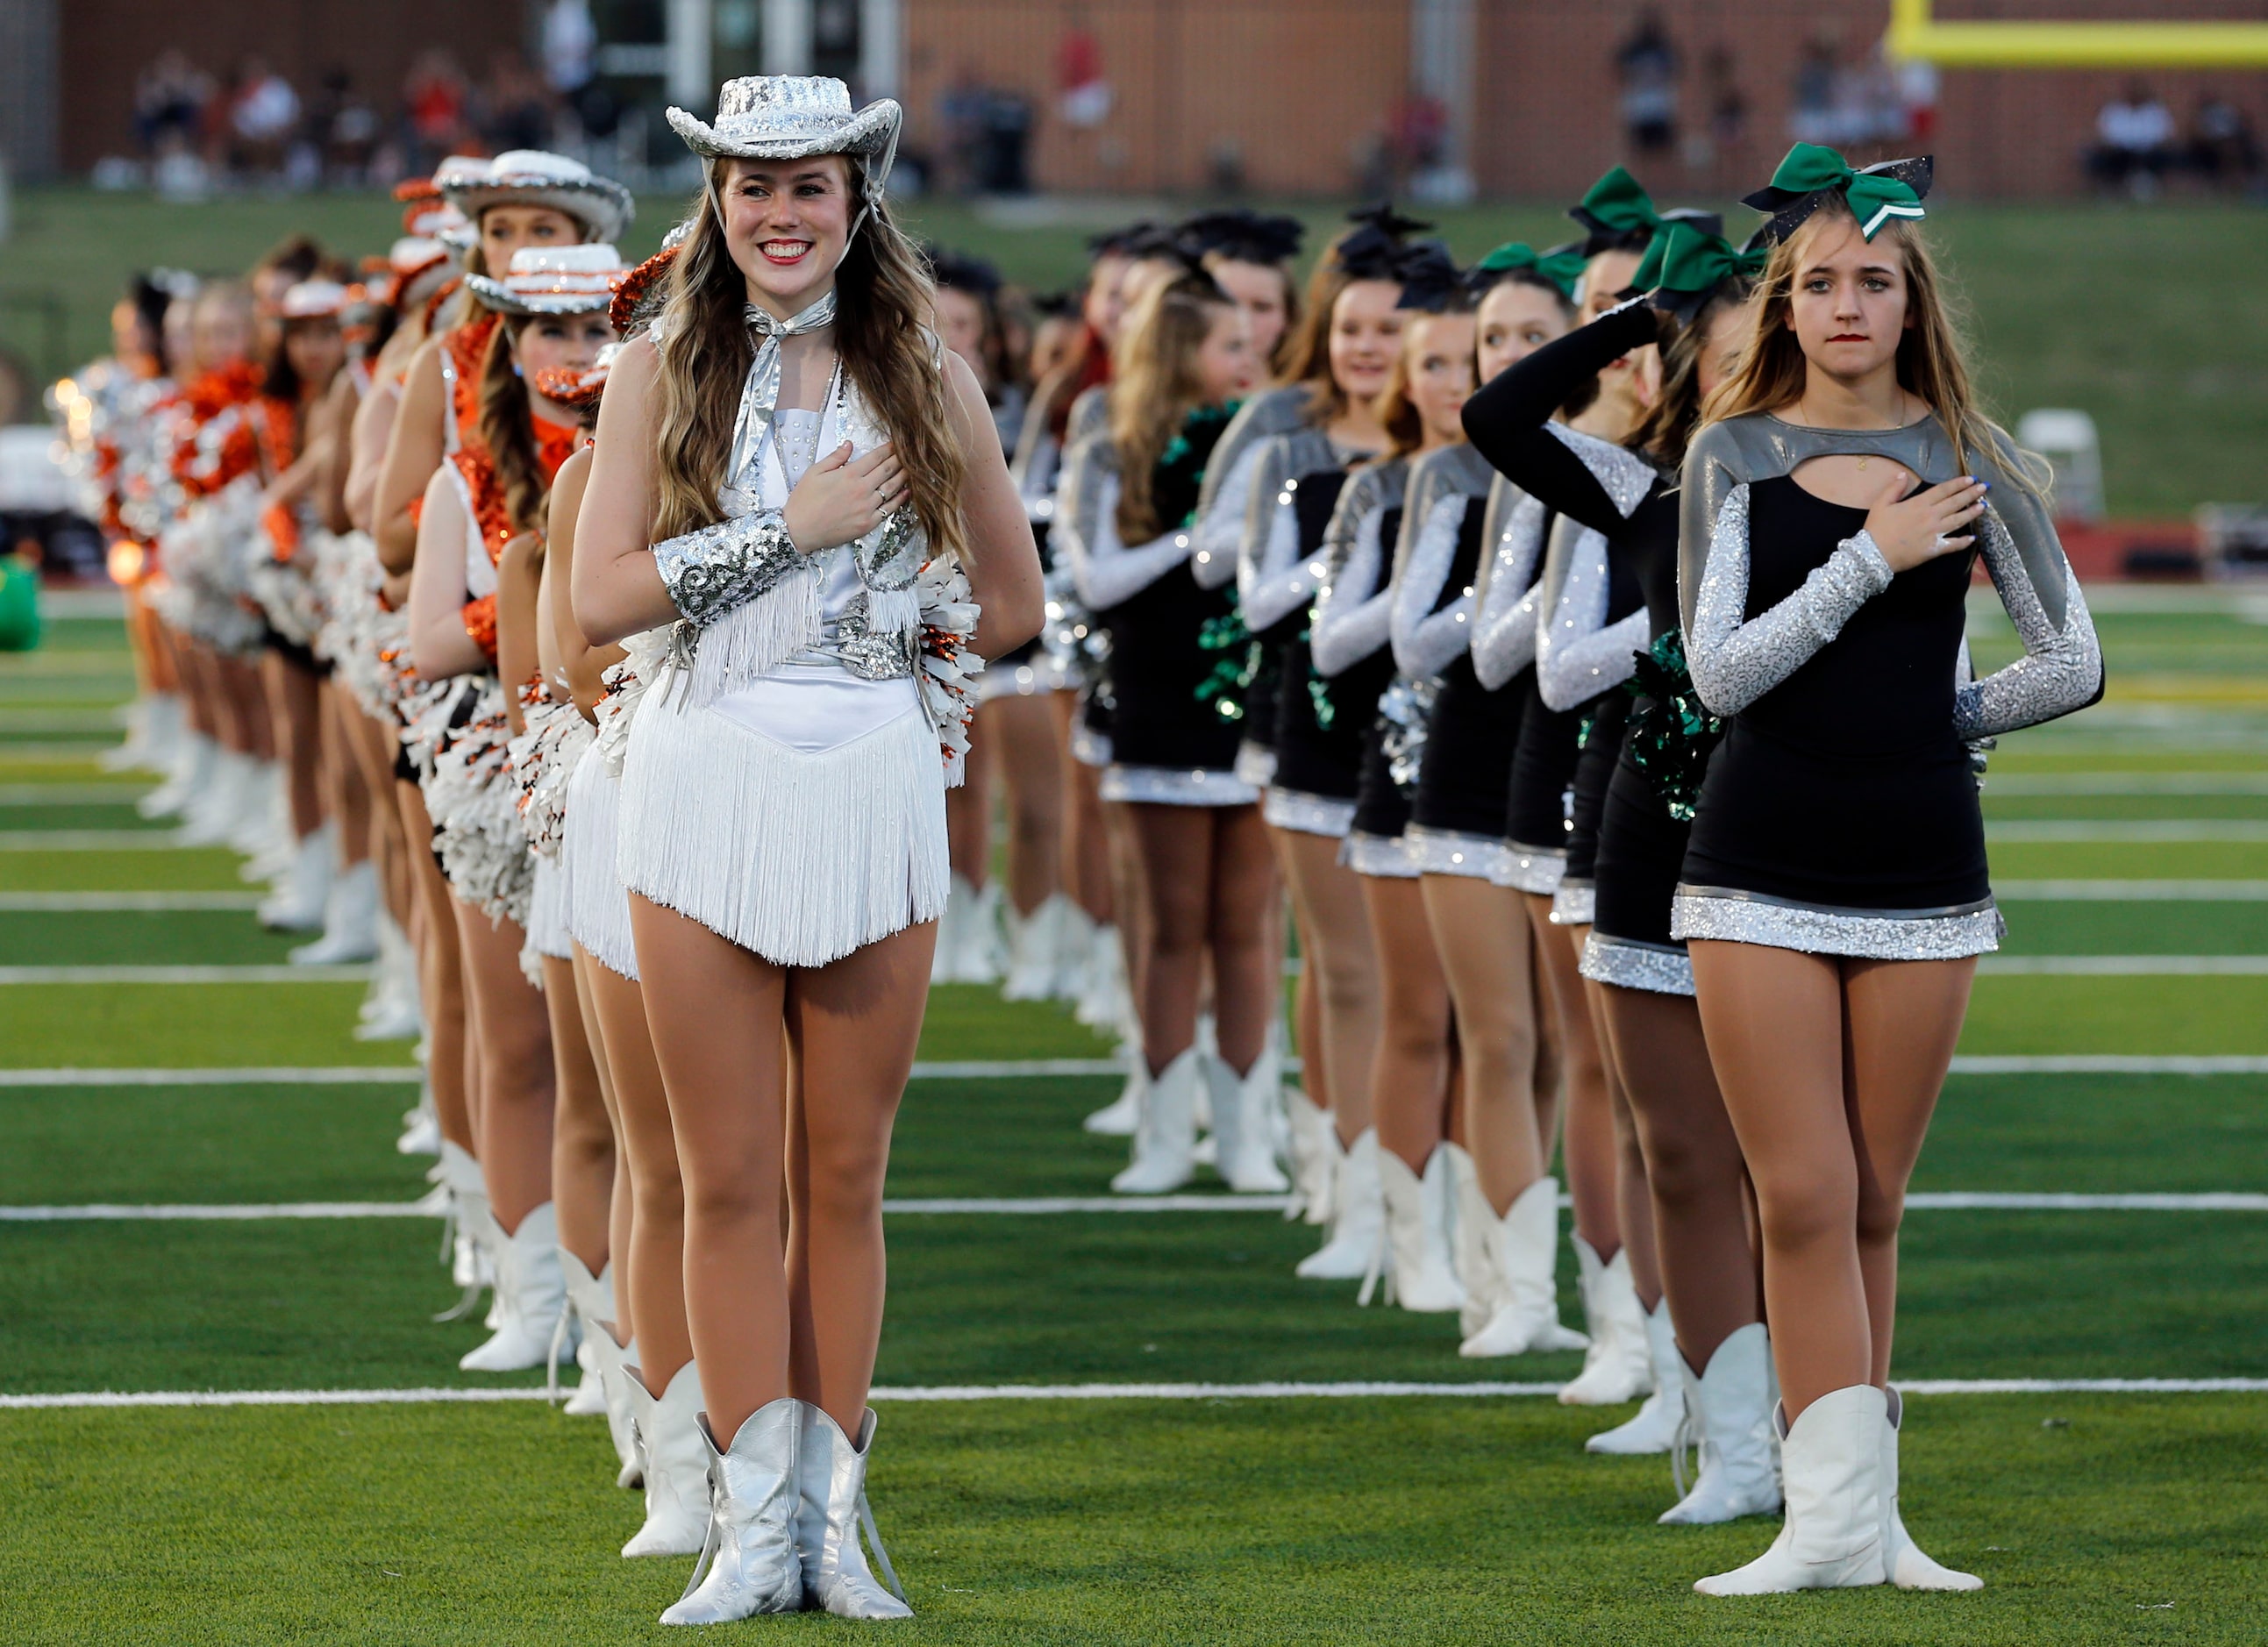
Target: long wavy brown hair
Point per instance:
(507, 428)
(883, 300)
(1156, 387)
(1931, 362)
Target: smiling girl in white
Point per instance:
(1834, 895)
(789, 468)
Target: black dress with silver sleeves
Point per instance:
(1840, 814)
(1625, 500)
(1352, 661)
(1316, 754)
(1459, 511)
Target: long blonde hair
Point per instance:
(1155, 386)
(1931, 362)
(884, 298)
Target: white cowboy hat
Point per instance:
(788, 117)
(554, 280)
(532, 177)
(315, 300)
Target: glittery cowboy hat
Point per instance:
(554, 280)
(788, 117)
(315, 300)
(531, 177)
(419, 266)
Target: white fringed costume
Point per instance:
(784, 783)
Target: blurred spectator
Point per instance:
(263, 117)
(1723, 149)
(435, 95)
(1085, 95)
(1417, 133)
(961, 117)
(2135, 142)
(571, 44)
(1006, 124)
(348, 127)
(2222, 148)
(169, 103)
(1811, 117)
(518, 109)
(1916, 89)
(1647, 67)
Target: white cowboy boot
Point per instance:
(255, 829)
(532, 1293)
(1470, 1256)
(978, 945)
(196, 758)
(1653, 1427)
(421, 1127)
(1414, 1249)
(1245, 1123)
(749, 1562)
(1618, 1368)
(1832, 1539)
(1075, 939)
(350, 922)
(832, 1474)
(1033, 940)
(1904, 1562)
(1358, 1216)
(207, 817)
(590, 1301)
(959, 895)
(676, 1464)
(1312, 1145)
(1729, 1408)
(610, 1361)
(1122, 1114)
(1523, 1246)
(1103, 1002)
(1165, 1141)
(297, 904)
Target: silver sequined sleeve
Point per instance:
(1510, 595)
(1426, 640)
(1579, 654)
(1105, 570)
(2061, 669)
(721, 568)
(1218, 530)
(1735, 662)
(1353, 612)
(1272, 582)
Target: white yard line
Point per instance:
(118, 902)
(99, 841)
(2108, 1064)
(322, 1075)
(2038, 830)
(2127, 783)
(2133, 891)
(123, 794)
(184, 975)
(1350, 1390)
(1058, 1206)
(2124, 966)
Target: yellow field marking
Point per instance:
(1916, 36)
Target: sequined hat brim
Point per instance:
(602, 206)
(493, 294)
(872, 130)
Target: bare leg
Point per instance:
(1335, 927)
(440, 973)
(1480, 943)
(1086, 846)
(582, 1137)
(716, 1012)
(1127, 897)
(294, 703)
(619, 1204)
(1692, 1165)
(1307, 1026)
(246, 707)
(1021, 731)
(1173, 848)
(1411, 1073)
(1244, 935)
(968, 815)
(853, 1026)
(513, 1045)
(346, 792)
(655, 1246)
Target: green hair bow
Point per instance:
(1563, 269)
(1684, 258)
(1617, 204)
(1875, 196)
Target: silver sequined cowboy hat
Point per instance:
(554, 280)
(532, 177)
(788, 117)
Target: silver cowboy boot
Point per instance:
(748, 1565)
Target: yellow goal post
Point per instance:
(1916, 36)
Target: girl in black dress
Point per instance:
(1341, 361)
(1835, 892)
(1352, 656)
(1626, 494)
(1202, 871)
(1461, 514)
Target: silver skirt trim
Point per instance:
(1574, 902)
(1631, 964)
(1255, 764)
(1303, 813)
(1452, 852)
(1951, 933)
(1386, 857)
(1089, 748)
(1176, 786)
(1529, 868)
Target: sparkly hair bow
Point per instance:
(1811, 174)
(1561, 265)
(1616, 211)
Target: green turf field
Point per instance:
(2072, 303)
(2096, 1517)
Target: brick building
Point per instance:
(1286, 96)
